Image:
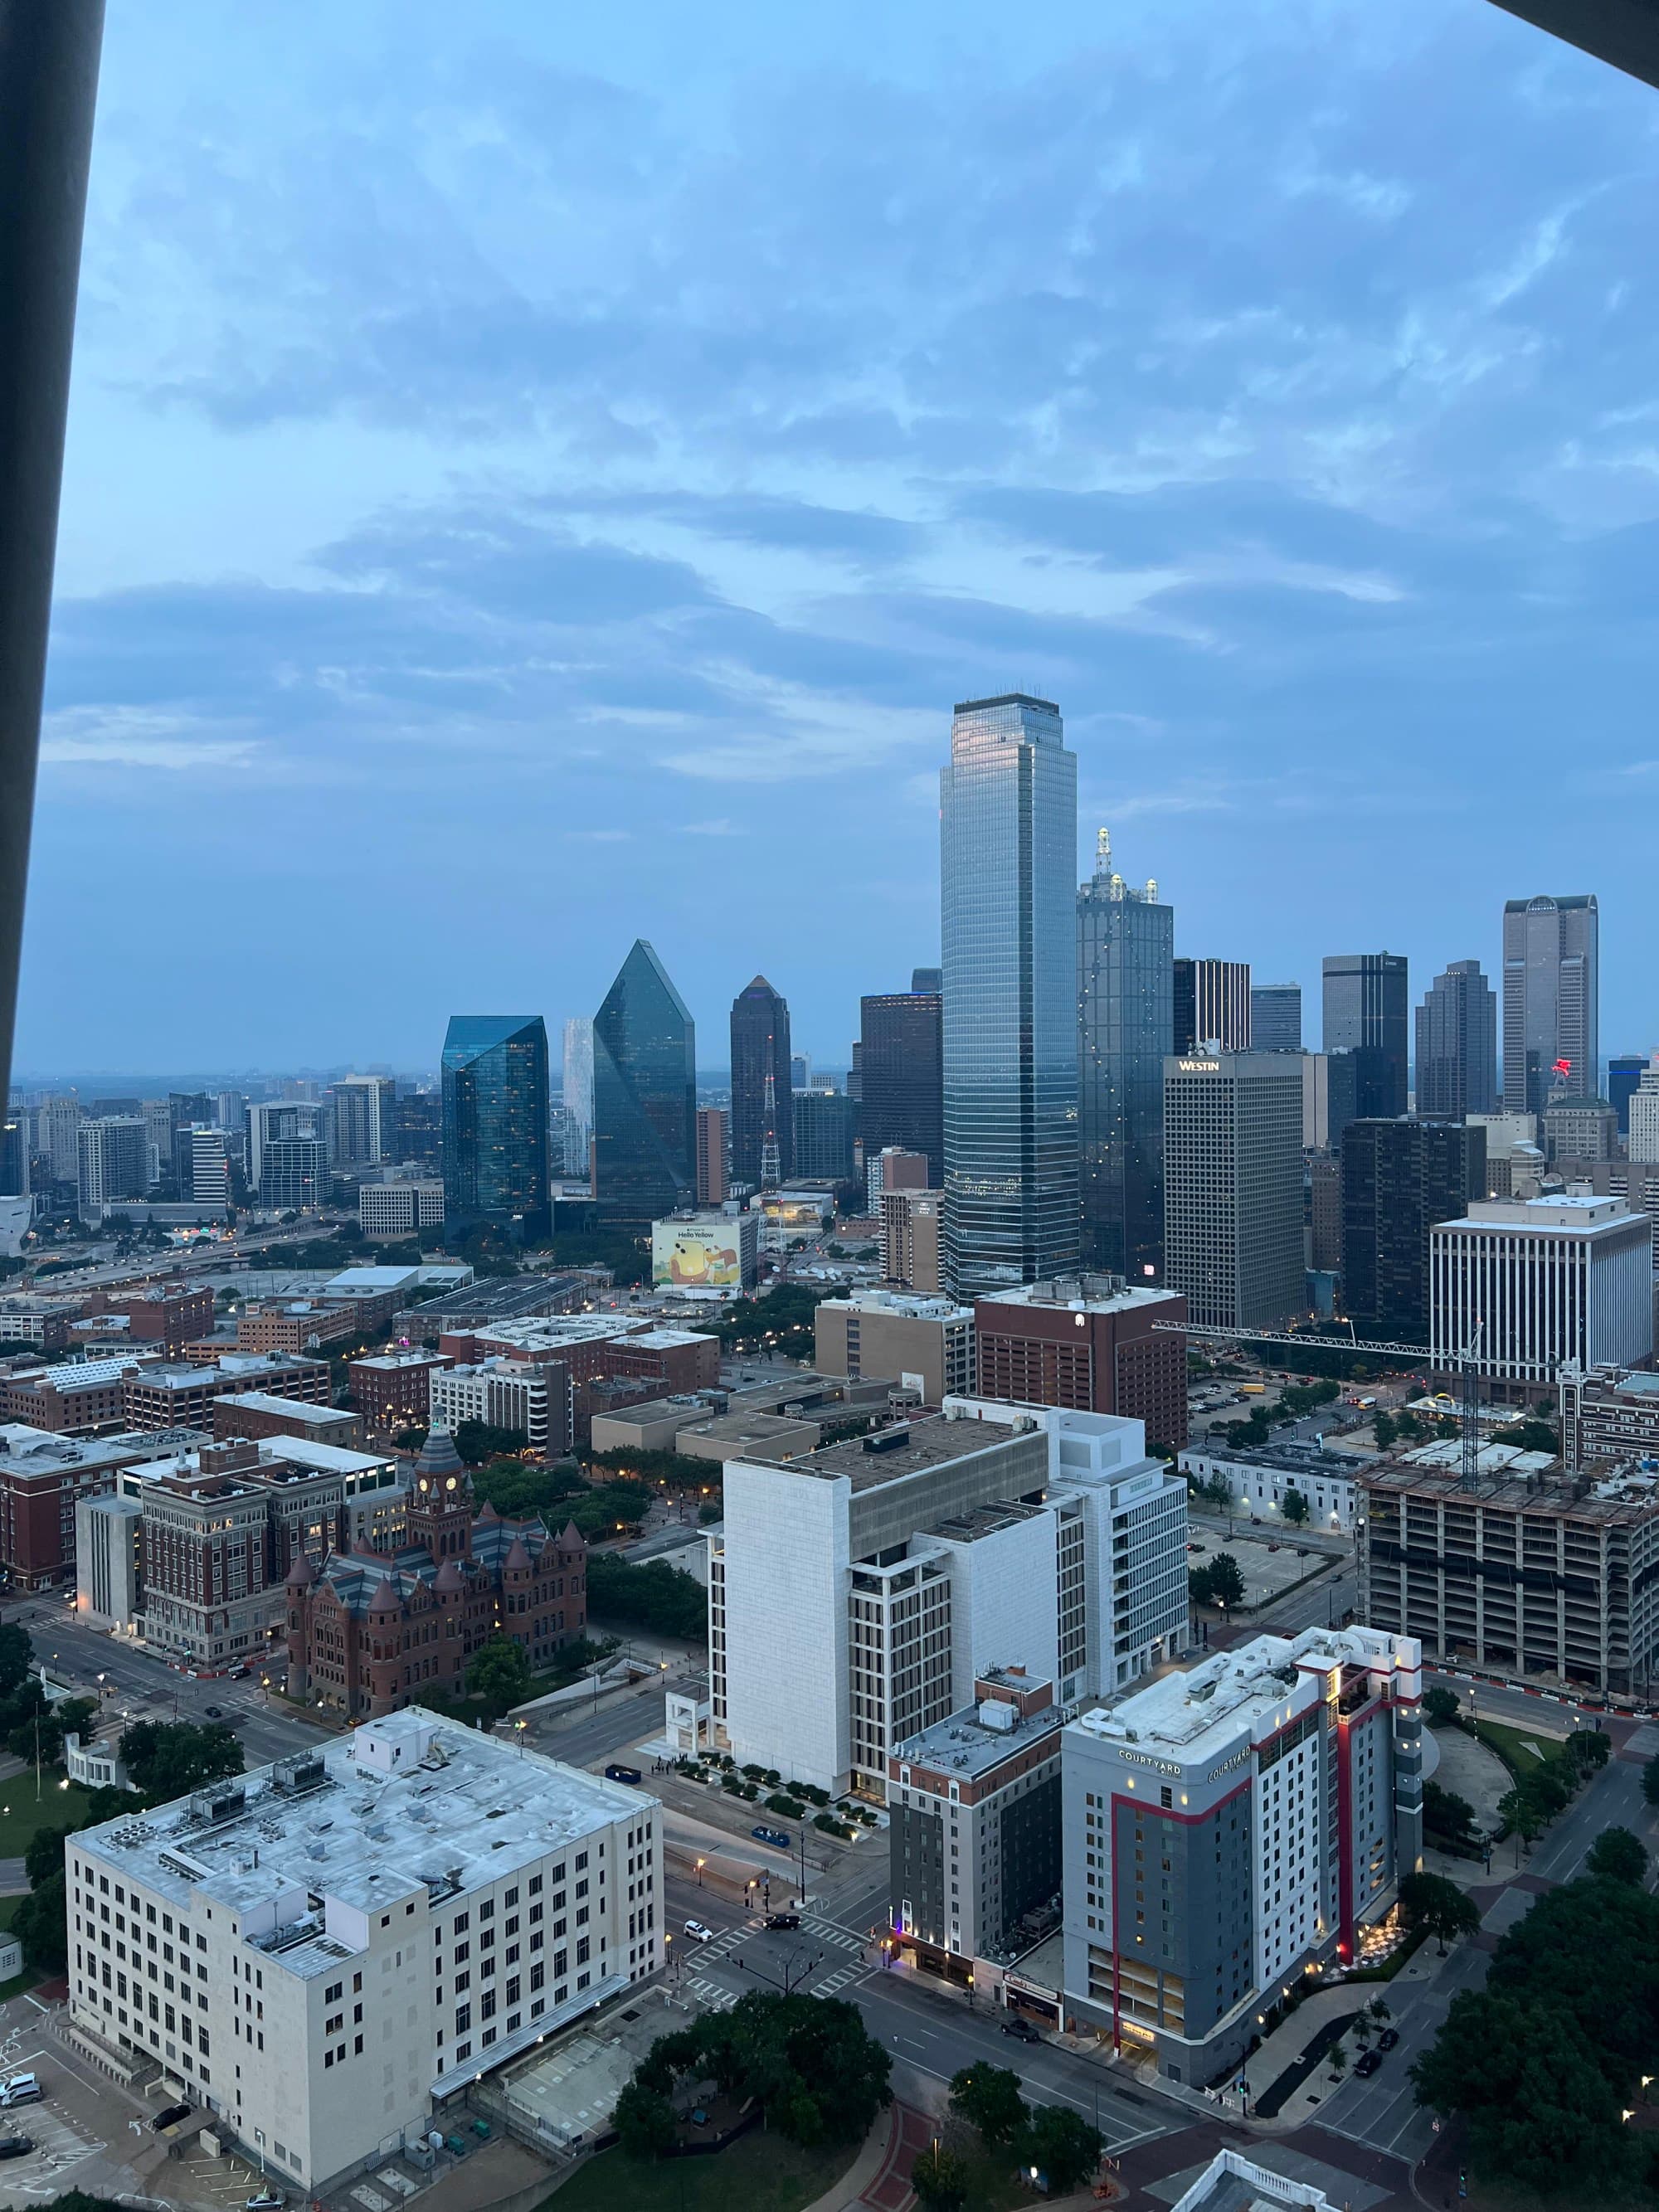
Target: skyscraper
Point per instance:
(645, 1093)
(763, 1134)
(1232, 1187)
(496, 1120)
(363, 1119)
(711, 1156)
(1457, 1044)
(1275, 1016)
(1552, 968)
(826, 1122)
(927, 980)
(1211, 1005)
(1125, 961)
(1366, 1011)
(112, 1163)
(578, 1094)
(899, 1063)
(1624, 1071)
(1399, 1179)
(1007, 855)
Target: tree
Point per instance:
(40, 1922)
(1295, 1507)
(939, 2179)
(44, 1855)
(1449, 1820)
(1339, 2059)
(1383, 1430)
(644, 2121)
(1589, 1750)
(1620, 1856)
(987, 2097)
(15, 1652)
(1439, 1907)
(169, 1759)
(500, 1672)
(1226, 1582)
(1649, 1776)
(477, 1441)
(1440, 1706)
(656, 1597)
(1522, 1814)
(1062, 2144)
(809, 2063)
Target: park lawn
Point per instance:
(1511, 1744)
(759, 2172)
(58, 1806)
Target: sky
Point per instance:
(541, 476)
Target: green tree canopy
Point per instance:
(1062, 2145)
(1440, 1706)
(988, 2099)
(477, 1441)
(1429, 1901)
(500, 1672)
(656, 1597)
(939, 2177)
(169, 1759)
(819, 2075)
(1619, 1855)
(1295, 1507)
(644, 2121)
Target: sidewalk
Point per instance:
(879, 2179)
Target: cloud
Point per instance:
(132, 736)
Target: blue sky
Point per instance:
(539, 477)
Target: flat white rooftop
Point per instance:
(1190, 1716)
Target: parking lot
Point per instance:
(67, 2130)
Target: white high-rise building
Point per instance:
(114, 1163)
(857, 1592)
(1522, 1286)
(57, 1127)
(578, 1093)
(344, 1939)
(1645, 1115)
(363, 1106)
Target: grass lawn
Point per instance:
(22, 1813)
(759, 2172)
(1512, 1747)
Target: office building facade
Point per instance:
(1609, 1417)
(1552, 990)
(1624, 1073)
(1210, 1005)
(1367, 1012)
(1233, 1188)
(912, 1225)
(1276, 1016)
(645, 1094)
(923, 1344)
(1399, 1179)
(713, 1183)
(1577, 1128)
(496, 1120)
(1089, 1343)
(1457, 1044)
(763, 1134)
(363, 1130)
(1126, 981)
(1007, 847)
(826, 1126)
(1642, 1117)
(577, 1090)
(901, 1087)
(112, 1163)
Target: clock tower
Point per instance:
(440, 1499)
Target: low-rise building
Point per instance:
(1229, 1828)
(721, 1437)
(358, 1932)
(294, 1325)
(505, 1394)
(259, 1414)
(715, 1252)
(164, 1394)
(164, 1318)
(401, 1206)
(788, 1218)
(1609, 1417)
(44, 1477)
(392, 1389)
(1094, 1343)
(1259, 1479)
(975, 1828)
(896, 1336)
(43, 1323)
(77, 1398)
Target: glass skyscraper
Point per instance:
(1367, 1011)
(496, 1120)
(1552, 981)
(1126, 964)
(645, 1094)
(1457, 1044)
(1007, 871)
(760, 1047)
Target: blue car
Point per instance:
(771, 1835)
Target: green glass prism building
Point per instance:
(495, 1121)
(1007, 880)
(645, 1094)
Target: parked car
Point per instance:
(699, 1931)
(168, 2117)
(213, 1712)
(1367, 2064)
(1198, 1547)
(21, 2089)
(1021, 2029)
(772, 1836)
(631, 1775)
(265, 2200)
(1387, 2039)
(15, 2146)
(783, 1923)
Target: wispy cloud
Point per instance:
(134, 737)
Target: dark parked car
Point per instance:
(1367, 2064)
(215, 1712)
(1387, 2039)
(168, 2117)
(1022, 2030)
(783, 1921)
(15, 2146)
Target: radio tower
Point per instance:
(771, 1171)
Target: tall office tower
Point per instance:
(112, 1164)
(1232, 1187)
(826, 1124)
(1625, 1072)
(645, 1093)
(800, 1071)
(1366, 1011)
(761, 1090)
(927, 983)
(1520, 1286)
(496, 1120)
(58, 1124)
(1457, 1044)
(1399, 1179)
(898, 1067)
(210, 1168)
(14, 1155)
(158, 1136)
(363, 1106)
(1551, 969)
(711, 1156)
(1275, 1016)
(230, 1108)
(187, 1110)
(1643, 1116)
(272, 1121)
(1125, 978)
(417, 1127)
(1007, 855)
(579, 1095)
(1211, 1005)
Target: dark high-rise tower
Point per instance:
(496, 1120)
(1551, 963)
(1211, 1000)
(1398, 1178)
(898, 1059)
(1125, 974)
(1457, 1044)
(1625, 1072)
(1275, 1016)
(645, 1094)
(760, 1048)
(1367, 1011)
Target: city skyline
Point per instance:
(343, 510)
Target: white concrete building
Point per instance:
(507, 1394)
(1645, 1115)
(400, 1205)
(1532, 1283)
(856, 1592)
(321, 1951)
(1259, 1479)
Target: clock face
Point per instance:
(425, 1485)
(450, 1484)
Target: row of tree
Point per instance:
(664, 1600)
(1057, 2142)
(1219, 1582)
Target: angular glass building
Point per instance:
(902, 1095)
(645, 1094)
(496, 1120)
(1125, 973)
(1007, 871)
(760, 1047)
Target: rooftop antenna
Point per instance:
(771, 1166)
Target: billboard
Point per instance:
(688, 1256)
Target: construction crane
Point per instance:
(1469, 1377)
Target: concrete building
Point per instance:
(113, 1163)
(77, 1398)
(1531, 1284)
(973, 1840)
(712, 1181)
(402, 1205)
(1232, 2183)
(165, 1318)
(911, 1222)
(363, 1106)
(1551, 972)
(1227, 1828)
(161, 1394)
(41, 1323)
(1643, 1116)
(1212, 1006)
(856, 1594)
(1580, 1128)
(926, 1344)
(1092, 1343)
(257, 1413)
(1554, 1583)
(109, 1561)
(713, 1253)
(1232, 1187)
(1609, 1418)
(1259, 1477)
(506, 1394)
(293, 1325)
(1275, 1016)
(466, 1898)
(392, 1389)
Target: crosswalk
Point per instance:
(823, 1934)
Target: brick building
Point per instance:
(294, 1325)
(262, 1413)
(164, 1319)
(162, 1395)
(43, 1478)
(77, 1399)
(392, 1389)
(371, 1631)
(1087, 1343)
